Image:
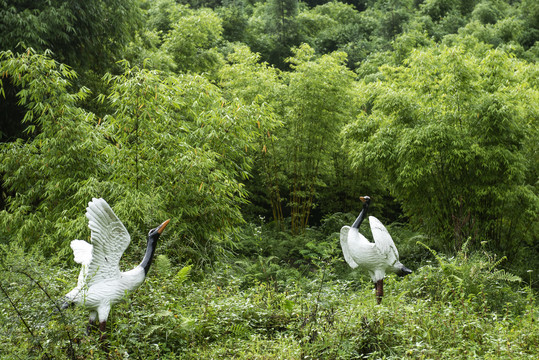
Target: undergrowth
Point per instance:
(263, 307)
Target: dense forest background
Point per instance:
(255, 126)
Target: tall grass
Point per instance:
(261, 307)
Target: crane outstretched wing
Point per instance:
(345, 249)
(109, 240)
(383, 240)
(82, 252)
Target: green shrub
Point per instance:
(459, 308)
(471, 279)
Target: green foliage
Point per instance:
(163, 265)
(171, 147)
(272, 30)
(267, 247)
(394, 14)
(161, 14)
(29, 294)
(529, 12)
(179, 141)
(49, 177)
(487, 12)
(317, 104)
(313, 102)
(247, 78)
(450, 132)
(193, 39)
(335, 26)
(504, 34)
(183, 274)
(145, 52)
(437, 9)
(446, 143)
(90, 34)
(235, 21)
(461, 308)
(474, 275)
(253, 82)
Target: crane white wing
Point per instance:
(383, 240)
(344, 245)
(82, 251)
(109, 239)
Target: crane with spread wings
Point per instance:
(101, 283)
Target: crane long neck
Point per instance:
(361, 216)
(148, 256)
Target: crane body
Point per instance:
(376, 258)
(101, 283)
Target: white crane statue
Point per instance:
(101, 283)
(378, 257)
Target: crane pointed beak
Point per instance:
(404, 271)
(162, 226)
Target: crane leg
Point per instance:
(379, 286)
(102, 327)
(104, 344)
(103, 313)
(92, 324)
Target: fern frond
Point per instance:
(497, 263)
(182, 274)
(464, 247)
(505, 276)
(434, 253)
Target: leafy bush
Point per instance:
(453, 144)
(471, 279)
(429, 313)
(169, 147)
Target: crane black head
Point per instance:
(365, 199)
(155, 233)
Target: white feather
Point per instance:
(82, 251)
(344, 247)
(383, 240)
(109, 238)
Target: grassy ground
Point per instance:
(458, 308)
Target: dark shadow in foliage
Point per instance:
(11, 123)
(85, 34)
(11, 114)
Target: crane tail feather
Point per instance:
(345, 250)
